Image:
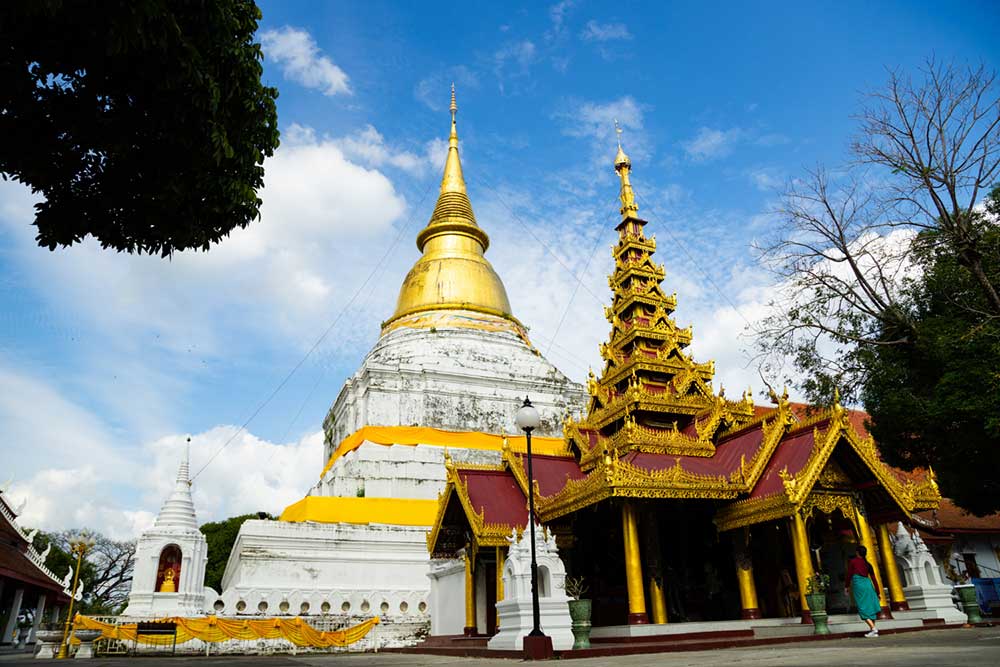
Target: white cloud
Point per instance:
(122, 500)
(604, 32)
(433, 90)
(558, 13)
(513, 60)
(765, 179)
(302, 60)
(710, 143)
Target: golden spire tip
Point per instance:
(454, 106)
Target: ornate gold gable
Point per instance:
(483, 534)
(821, 480)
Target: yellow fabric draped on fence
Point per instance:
(213, 629)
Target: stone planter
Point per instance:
(579, 612)
(967, 594)
(86, 638)
(817, 608)
(48, 644)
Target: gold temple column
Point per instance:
(865, 532)
(897, 599)
(803, 561)
(633, 566)
(654, 568)
(657, 600)
(470, 598)
(500, 564)
(749, 607)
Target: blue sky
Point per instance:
(107, 362)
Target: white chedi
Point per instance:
(515, 612)
(925, 588)
(173, 544)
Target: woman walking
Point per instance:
(861, 582)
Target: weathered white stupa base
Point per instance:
(935, 599)
(515, 612)
(280, 568)
(452, 370)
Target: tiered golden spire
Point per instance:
(651, 396)
(453, 273)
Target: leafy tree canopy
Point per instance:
(221, 536)
(936, 402)
(143, 123)
(105, 573)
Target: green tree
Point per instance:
(143, 123)
(105, 573)
(220, 537)
(883, 261)
(936, 401)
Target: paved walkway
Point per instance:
(931, 648)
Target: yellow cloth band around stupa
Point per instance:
(348, 509)
(424, 435)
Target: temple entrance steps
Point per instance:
(692, 636)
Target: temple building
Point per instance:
(674, 502)
(445, 376)
(29, 591)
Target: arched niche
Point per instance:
(170, 560)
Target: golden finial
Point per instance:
(623, 165)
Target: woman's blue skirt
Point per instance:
(865, 597)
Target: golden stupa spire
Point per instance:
(623, 165)
(453, 273)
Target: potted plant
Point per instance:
(579, 611)
(966, 591)
(47, 639)
(816, 588)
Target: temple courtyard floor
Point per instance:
(928, 648)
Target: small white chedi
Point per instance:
(170, 559)
(515, 611)
(451, 364)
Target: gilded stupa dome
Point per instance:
(453, 272)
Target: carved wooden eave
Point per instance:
(800, 492)
(483, 534)
(612, 477)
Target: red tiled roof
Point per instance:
(496, 494)
(950, 518)
(15, 564)
(725, 461)
(792, 453)
(551, 472)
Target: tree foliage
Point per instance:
(220, 537)
(936, 402)
(143, 123)
(888, 280)
(106, 571)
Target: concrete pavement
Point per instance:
(930, 648)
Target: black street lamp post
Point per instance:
(536, 645)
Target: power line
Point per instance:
(535, 236)
(576, 288)
(318, 342)
(695, 264)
